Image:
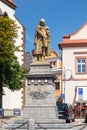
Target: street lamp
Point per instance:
(64, 78)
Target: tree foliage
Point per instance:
(11, 73)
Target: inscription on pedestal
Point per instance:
(39, 95)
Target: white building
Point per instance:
(74, 61)
(14, 99)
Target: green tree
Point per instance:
(11, 72)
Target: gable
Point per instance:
(80, 34)
(77, 39)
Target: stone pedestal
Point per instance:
(40, 100)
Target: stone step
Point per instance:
(22, 124)
(53, 126)
(58, 129)
(20, 121)
(54, 121)
(18, 125)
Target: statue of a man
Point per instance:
(42, 41)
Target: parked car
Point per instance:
(66, 111)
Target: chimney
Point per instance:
(10, 1)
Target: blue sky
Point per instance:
(62, 17)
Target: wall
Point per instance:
(14, 99)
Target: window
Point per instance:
(57, 85)
(53, 64)
(81, 65)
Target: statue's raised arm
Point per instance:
(42, 41)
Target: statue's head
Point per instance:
(42, 22)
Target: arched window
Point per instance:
(5, 14)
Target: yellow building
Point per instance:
(56, 63)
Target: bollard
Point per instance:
(0, 124)
(31, 124)
(1, 112)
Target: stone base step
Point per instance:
(53, 126)
(23, 124)
(18, 125)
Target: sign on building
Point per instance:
(80, 93)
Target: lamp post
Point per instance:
(64, 79)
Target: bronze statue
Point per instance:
(42, 41)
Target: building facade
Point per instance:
(74, 65)
(56, 64)
(14, 99)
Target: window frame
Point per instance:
(81, 65)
